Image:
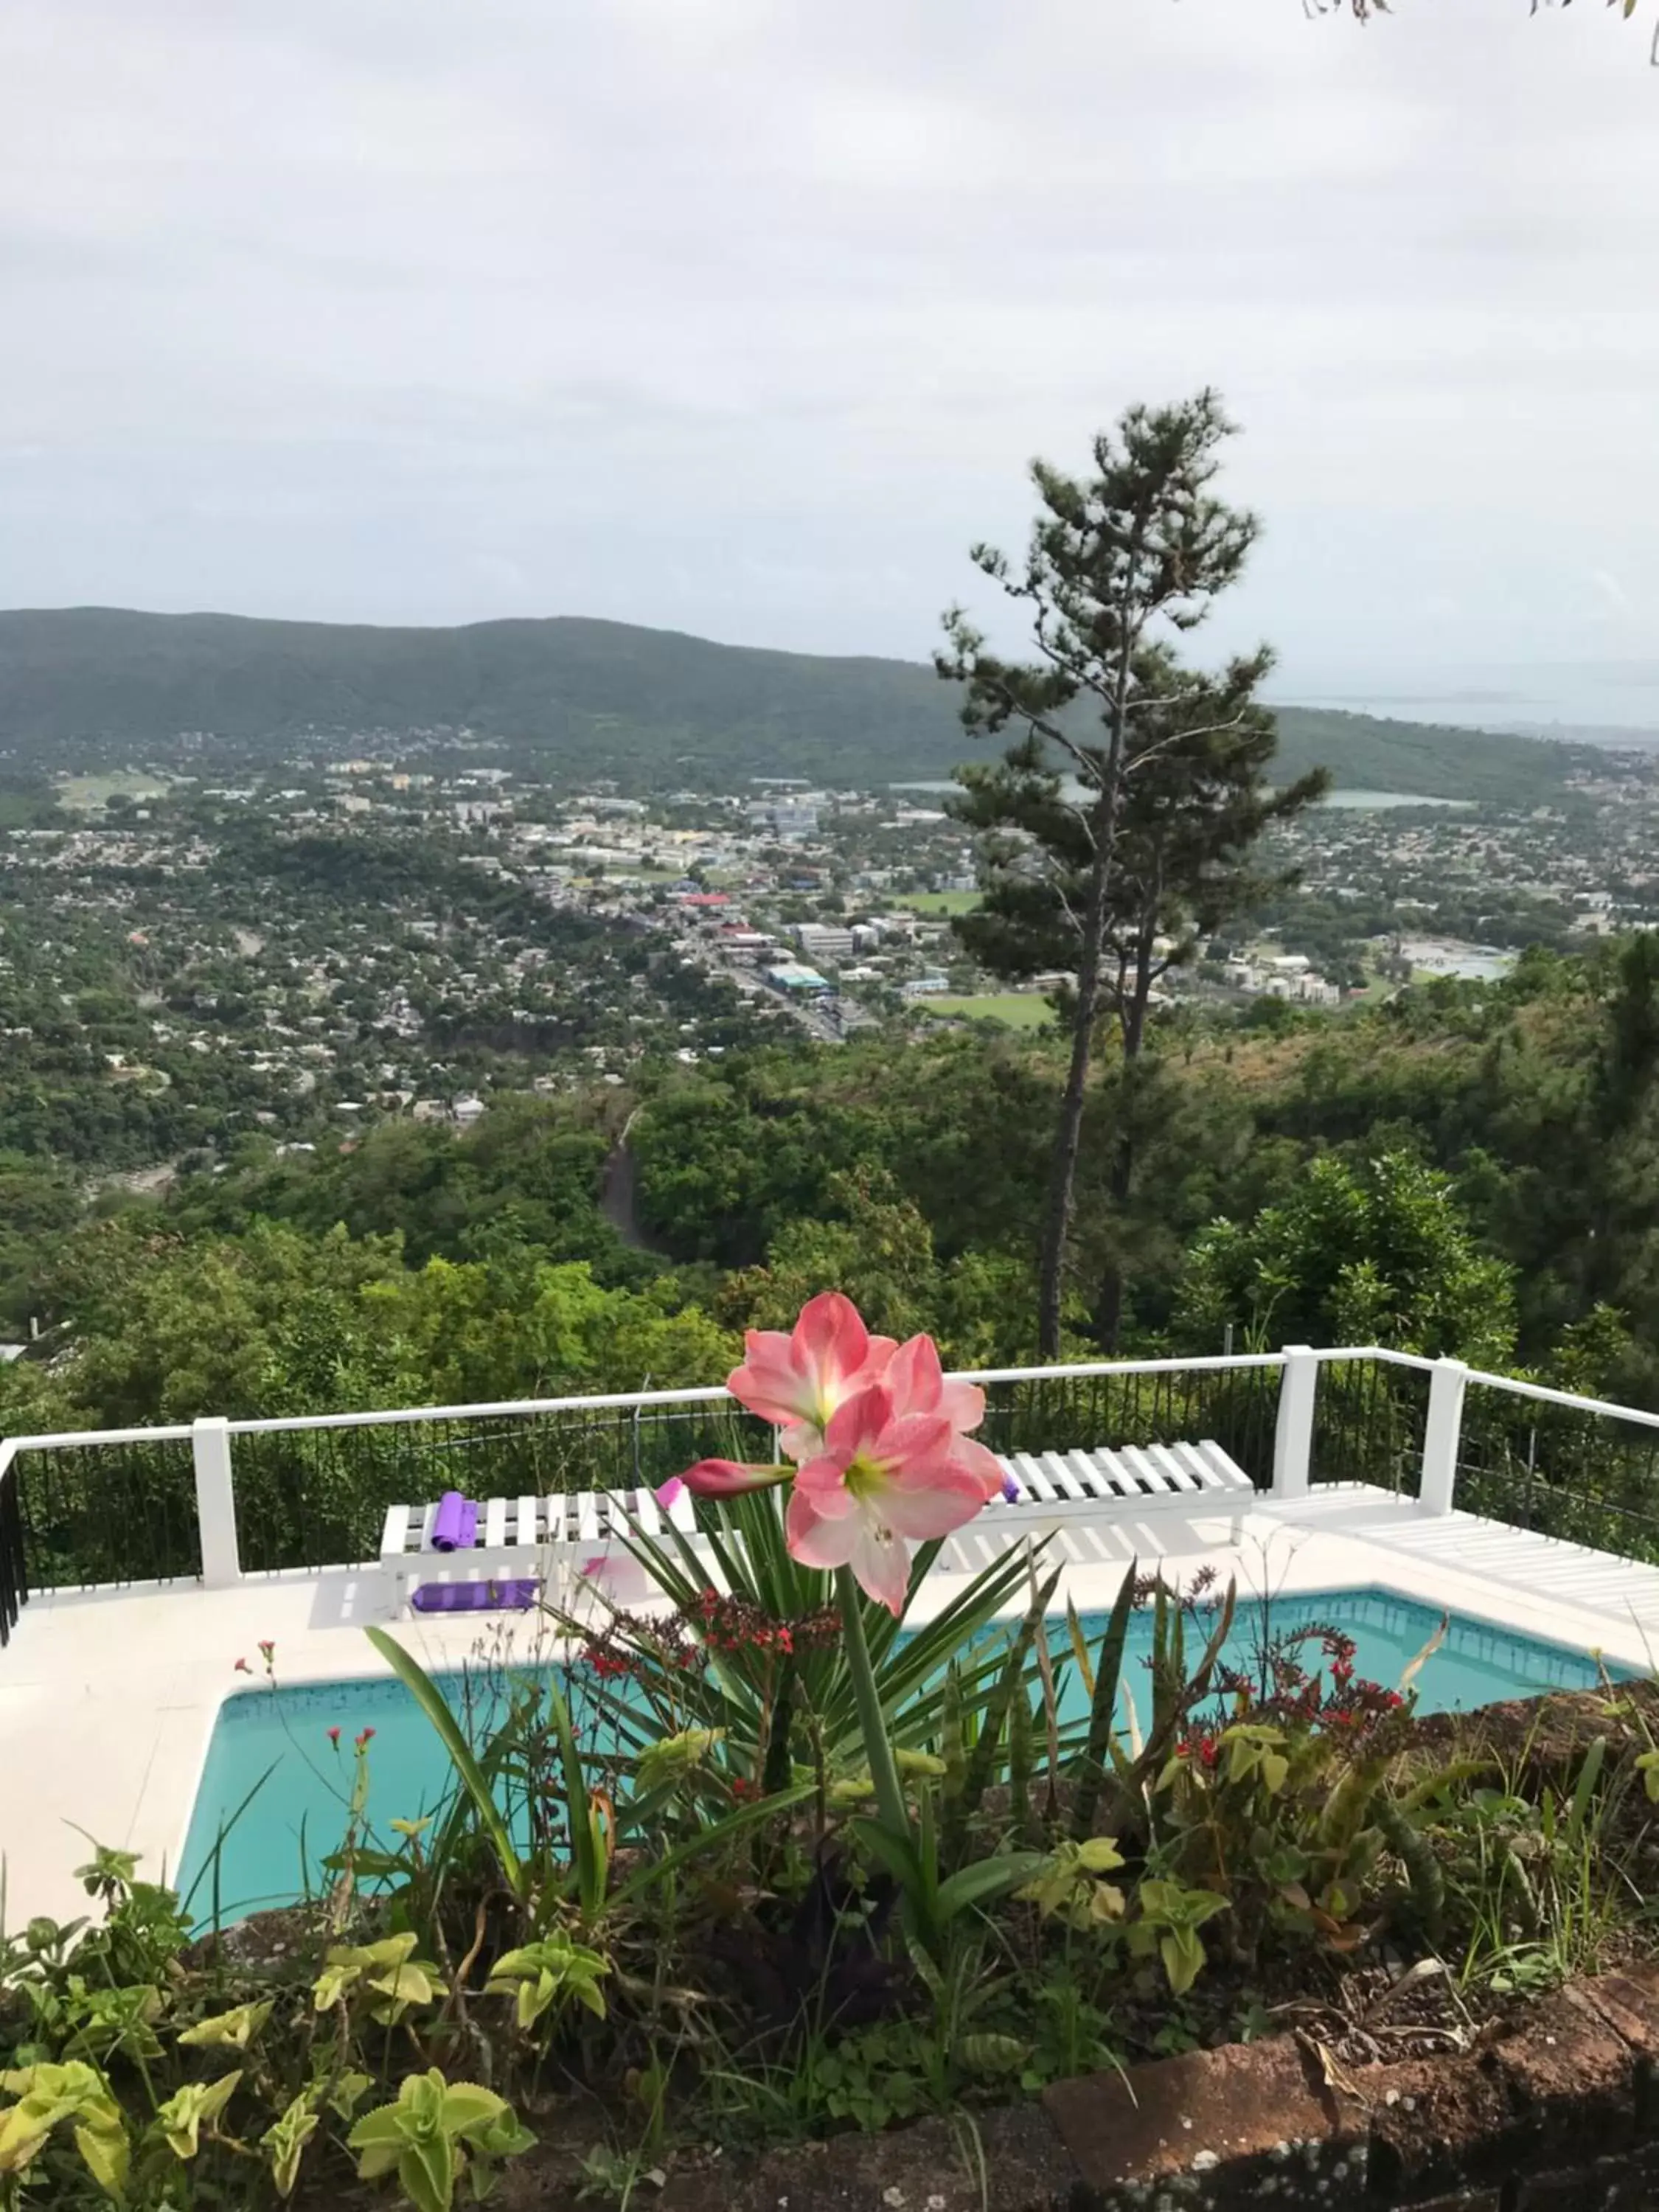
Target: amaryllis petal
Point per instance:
(769, 1381)
(972, 1458)
(875, 1552)
(962, 1404)
(823, 1483)
(931, 1507)
(866, 1426)
(882, 1567)
(918, 1385)
(817, 1542)
(830, 1333)
(914, 1376)
(796, 1382)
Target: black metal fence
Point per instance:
(104, 1513)
(124, 1512)
(1236, 1407)
(1561, 1471)
(1368, 1420)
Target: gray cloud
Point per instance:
(744, 317)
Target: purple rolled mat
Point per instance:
(513, 1596)
(449, 1520)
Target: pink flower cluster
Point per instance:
(877, 1437)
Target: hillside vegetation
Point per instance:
(83, 685)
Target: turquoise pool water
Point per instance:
(276, 1743)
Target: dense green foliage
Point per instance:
(1481, 1183)
(92, 685)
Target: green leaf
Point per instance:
(1102, 1706)
(106, 2156)
(1584, 1792)
(985, 1879)
(426, 2170)
(467, 2107)
(1184, 1959)
(897, 1853)
(1100, 1855)
(286, 2140)
(1080, 1653)
(993, 2054)
(235, 2029)
(589, 1851)
(192, 2108)
(431, 1702)
(709, 1840)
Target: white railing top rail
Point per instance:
(1542, 1392)
(619, 1401)
(623, 1401)
(1334, 1353)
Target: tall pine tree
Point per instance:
(1124, 770)
(1197, 798)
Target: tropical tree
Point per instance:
(1118, 563)
(1195, 803)
(1365, 10)
(1379, 1253)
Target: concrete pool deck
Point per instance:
(108, 1698)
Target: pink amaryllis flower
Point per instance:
(885, 1478)
(796, 1382)
(918, 1385)
(905, 1467)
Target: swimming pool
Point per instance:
(276, 1742)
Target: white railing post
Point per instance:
(215, 1503)
(1441, 1434)
(1298, 1388)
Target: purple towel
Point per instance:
(515, 1596)
(455, 1523)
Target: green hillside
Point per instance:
(84, 686)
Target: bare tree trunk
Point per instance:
(1062, 1175)
(1068, 1137)
(1109, 1306)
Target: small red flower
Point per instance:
(334, 1737)
(266, 1648)
(362, 1741)
(242, 1667)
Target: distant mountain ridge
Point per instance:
(648, 707)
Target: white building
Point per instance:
(818, 940)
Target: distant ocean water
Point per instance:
(1611, 704)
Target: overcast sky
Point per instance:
(744, 317)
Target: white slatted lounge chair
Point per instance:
(518, 1539)
(557, 1540)
(1104, 1489)
(583, 1535)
